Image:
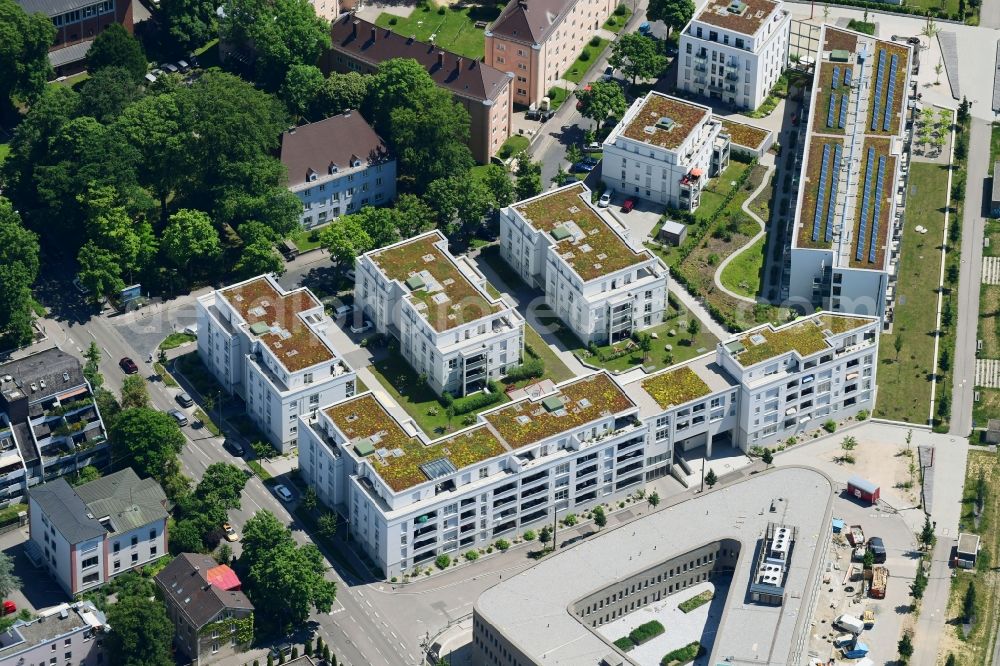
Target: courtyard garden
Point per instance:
(458, 28)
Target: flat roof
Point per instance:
(533, 609)
(805, 336)
(693, 379)
(854, 138)
(584, 400)
(400, 459)
(592, 248)
(742, 16)
(290, 339)
(437, 287)
(968, 543)
(664, 121)
(745, 135)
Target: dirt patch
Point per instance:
(989, 321)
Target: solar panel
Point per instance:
(847, 76)
(843, 112)
(835, 178)
(829, 112)
(865, 201)
(836, 77)
(892, 91)
(821, 192)
(873, 244)
(877, 90)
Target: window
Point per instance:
(89, 562)
(135, 558)
(152, 535)
(135, 541)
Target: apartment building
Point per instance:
(77, 23)
(734, 51)
(852, 183)
(449, 328)
(536, 41)
(212, 617)
(336, 167)
(409, 498)
(664, 150)
(88, 534)
(482, 90)
(602, 285)
(67, 634)
(269, 348)
(50, 425)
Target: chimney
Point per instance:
(458, 65)
(373, 33)
(354, 28)
(440, 58)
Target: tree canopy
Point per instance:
(141, 633)
(147, 440)
(637, 55)
(188, 23)
(114, 47)
(675, 14)
(18, 270)
(24, 54)
(602, 100)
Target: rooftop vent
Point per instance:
(758, 339)
(649, 129)
(259, 328)
(560, 233)
(736, 7)
(415, 282)
(665, 123)
(552, 403)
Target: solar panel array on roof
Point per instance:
(829, 112)
(873, 244)
(836, 77)
(877, 90)
(892, 92)
(847, 77)
(843, 111)
(821, 192)
(835, 178)
(865, 201)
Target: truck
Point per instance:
(849, 623)
(856, 537)
(880, 579)
(856, 650)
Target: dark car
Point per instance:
(582, 167)
(128, 366)
(184, 400)
(877, 548)
(233, 447)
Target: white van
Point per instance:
(849, 623)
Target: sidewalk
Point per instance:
(695, 307)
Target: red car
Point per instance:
(628, 205)
(128, 366)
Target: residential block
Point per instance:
(78, 22)
(73, 633)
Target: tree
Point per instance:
(221, 483)
(767, 457)
(8, 581)
(107, 93)
(307, 648)
(18, 270)
(24, 54)
(897, 345)
(343, 92)
(545, 536)
(186, 537)
(86, 475)
(413, 215)
(529, 177)
(225, 554)
(258, 257)
(693, 326)
(147, 440)
(189, 23)
(868, 561)
(100, 271)
(190, 236)
(141, 633)
(637, 55)
(849, 443)
(326, 524)
(711, 479)
(675, 14)
(114, 47)
(281, 576)
(92, 368)
(344, 239)
(919, 584)
(134, 393)
(310, 500)
(600, 518)
(379, 224)
(905, 648)
(600, 100)
(303, 91)
(950, 661)
(497, 181)
(969, 604)
(281, 33)
(645, 345)
(653, 498)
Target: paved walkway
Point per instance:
(763, 229)
(695, 307)
(933, 606)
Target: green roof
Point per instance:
(676, 387)
(259, 328)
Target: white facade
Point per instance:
(653, 155)
(345, 190)
(65, 634)
(460, 337)
(734, 51)
(270, 348)
(603, 294)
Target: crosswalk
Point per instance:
(988, 372)
(991, 270)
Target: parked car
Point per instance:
(128, 366)
(283, 493)
(877, 548)
(628, 205)
(184, 400)
(233, 447)
(609, 73)
(283, 648)
(582, 166)
(644, 28)
(179, 416)
(231, 534)
(605, 200)
(171, 67)
(365, 327)
(593, 146)
(350, 274)
(183, 65)
(9, 607)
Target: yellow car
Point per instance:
(231, 534)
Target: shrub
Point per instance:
(624, 644)
(682, 655)
(441, 11)
(645, 632)
(474, 402)
(533, 368)
(529, 535)
(393, 21)
(472, 555)
(863, 415)
(502, 544)
(442, 561)
(595, 41)
(585, 56)
(447, 398)
(570, 519)
(830, 425)
(620, 10)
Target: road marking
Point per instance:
(91, 334)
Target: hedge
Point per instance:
(533, 368)
(645, 632)
(478, 401)
(624, 644)
(896, 9)
(682, 655)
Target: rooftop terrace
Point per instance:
(442, 292)
(807, 337)
(581, 236)
(743, 16)
(272, 316)
(664, 121)
(403, 461)
(573, 405)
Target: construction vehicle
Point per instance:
(856, 536)
(880, 579)
(869, 617)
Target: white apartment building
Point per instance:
(590, 440)
(848, 221)
(67, 634)
(87, 535)
(449, 328)
(602, 285)
(734, 51)
(664, 150)
(269, 347)
(337, 166)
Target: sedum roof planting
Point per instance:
(742, 16)
(684, 117)
(588, 399)
(597, 250)
(675, 387)
(363, 419)
(449, 298)
(273, 317)
(805, 337)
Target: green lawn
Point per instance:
(208, 55)
(454, 30)
(74, 80)
(861, 26)
(994, 144)
(514, 144)
(557, 96)
(4, 151)
(743, 274)
(207, 421)
(949, 6)
(617, 21)
(588, 56)
(306, 239)
(197, 374)
(987, 408)
(176, 340)
(905, 386)
(555, 369)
